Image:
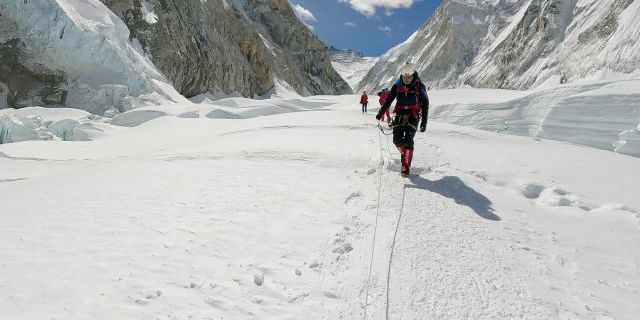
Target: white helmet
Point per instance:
(408, 69)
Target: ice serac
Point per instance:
(520, 44)
(73, 53)
(229, 47)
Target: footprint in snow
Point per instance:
(352, 196)
(258, 279)
(343, 248)
(554, 197)
(532, 190)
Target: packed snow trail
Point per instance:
(442, 271)
(272, 217)
(453, 262)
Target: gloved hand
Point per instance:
(378, 116)
(423, 126)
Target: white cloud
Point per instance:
(368, 7)
(385, 29)
(350, 24)
(302, 13)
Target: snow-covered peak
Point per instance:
(519, 44)
(351, 64)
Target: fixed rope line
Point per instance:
(388, 148)
(375, 228)
(382, 130)
(393, 244)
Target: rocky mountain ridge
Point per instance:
(519, 44)
(119, 54)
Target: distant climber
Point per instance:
(382, 98)
(412, 106)
(364, 100)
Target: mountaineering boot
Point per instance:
(402, 156)
(405, 170)
(407, 156)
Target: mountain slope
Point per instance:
(519, 44)
(351, 65)
(226, 47)
(299, 57)
(80, 54)
(74, 53)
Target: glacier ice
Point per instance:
(91, 46)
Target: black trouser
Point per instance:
(404, 128)
(364, 107)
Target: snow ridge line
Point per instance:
(375, 228)
(393, 244)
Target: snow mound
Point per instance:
(50, 124)
(136, 117)
(189, 115)
(222, 114)
(68, 130)
(603, 115)
(16, 129)
(49, 115)
(629, 142)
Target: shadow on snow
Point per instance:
(454, 188)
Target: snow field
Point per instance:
(272, 217)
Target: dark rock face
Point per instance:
(218, 47)
(301, 59)
(25, 84)
(199, 46)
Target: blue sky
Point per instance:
(369, 26)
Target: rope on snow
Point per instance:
(375, 229)
(393, 244)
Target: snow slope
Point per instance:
(519, 44)
(604, 115)
(273, 217)
(351, 65)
